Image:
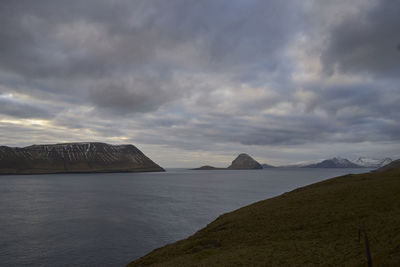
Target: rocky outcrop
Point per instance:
(244, 162)
(74, 157)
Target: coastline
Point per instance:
(313, 225)
(83, 172)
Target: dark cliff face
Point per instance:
(74, 157)
(244, 162)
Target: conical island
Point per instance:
(244, 162)
(241, 162)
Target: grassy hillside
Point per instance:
(315, 225)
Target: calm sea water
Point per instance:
(111, 219)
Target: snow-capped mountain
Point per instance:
(372, 163)
(334, 163)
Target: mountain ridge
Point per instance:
(83, 157)
(392, 166)
(372, 162)
(333, 163)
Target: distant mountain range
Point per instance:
(334, 163)
(74, 157)
(244, 161)
(101, 157)
(372, 163)
(361, 162)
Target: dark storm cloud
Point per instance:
(367, 42)
(69, 39)
(138, 95)
(76, 42)
(274, 130)
(335, 99)
(96, 37)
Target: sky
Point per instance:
(196, 82)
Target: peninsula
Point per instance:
(74, 158)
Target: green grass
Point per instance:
(313, 226)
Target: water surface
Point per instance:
(111, 219)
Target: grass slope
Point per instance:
(314, 225)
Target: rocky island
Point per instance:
(74, 158)
(241, 162)
(244, 162)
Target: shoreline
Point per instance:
(317, 218)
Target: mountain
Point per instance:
(267, 166)
(334, 163)
(394, 166)
(244, 162)
(372, 163)
(74, 157)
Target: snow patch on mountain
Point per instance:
(372, 162)
(334, 163)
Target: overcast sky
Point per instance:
(195, 82)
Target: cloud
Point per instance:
(211, 76)
(11, 106)
(121, 55)
(366, 42)
(133, 94)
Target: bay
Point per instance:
(112, 219)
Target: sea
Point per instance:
(111, 219)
